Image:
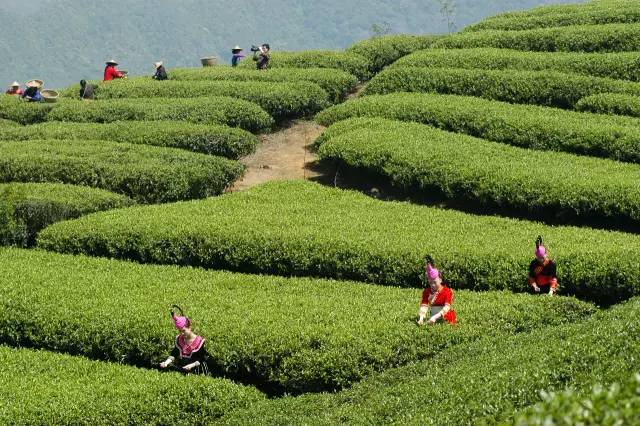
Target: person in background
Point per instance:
(161, 73)
(437, 298)
(111, 72)
(542, 272)
(236, 56)
(87, 91)
(189, 352)
(32, 92)
(262, 57)
(14, 89)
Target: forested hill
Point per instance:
(62, 41)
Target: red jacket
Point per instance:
(111, 72)
(444, 297)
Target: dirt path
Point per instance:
(282, 155)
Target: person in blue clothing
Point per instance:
(236, 56)
(32, 92)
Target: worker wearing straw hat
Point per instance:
(111, 72)
(14, 89)
(161, 73)
(32, 93)
(236, 55)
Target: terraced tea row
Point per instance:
(212, 110)
(280, 100)
(296, 334)
(611, 103)
(335, 82)
(384, 50)
(43, 388)
(548, 88)
(526, 126)
(622, 65)
(301, 228)
(485, 382)
(147, 174)
(26, 208)
(225, 141)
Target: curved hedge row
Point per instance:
(44, 388)
(527, 126)
(335, 82)
(346, 61)
(280, 100)
(298, 334)
(27, 208)
(622, 65)
(578, 38)
(611, 103)
(147, 174)
(382, 51)
(301, 228)
(487, 173)
(14, 109)
(485, 382)
(549, 88)
(220, 140)
(618, 404)
(212, 110)
(7, 123)
(560, 16)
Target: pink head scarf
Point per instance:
(179, 321)
(432, 272)
(541, 251)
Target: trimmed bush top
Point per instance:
(301, 228)
(313, 334)
(145, 173)
(611, 103)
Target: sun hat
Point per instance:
(111, 61)
(34, 83)
(15, 84)
(237, 48)
(157, 64)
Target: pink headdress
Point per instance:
(541, 251)
(179, 321)
(432, 272)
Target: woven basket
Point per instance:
(50, 96)
(209, 61)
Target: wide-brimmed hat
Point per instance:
(237, 48)
(34, 83)
(15, 84)
(157, 64)
(111, 61)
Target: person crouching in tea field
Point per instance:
(542, 272)
(189, 353)
(437, 298)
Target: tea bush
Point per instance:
(610, 103)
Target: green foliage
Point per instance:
(299, 334)
(613, 405)
(27, 208)
(382, 51)
(526, 126)
(301, 228)
(611, 103)
(623, 65)
(7, 123)
(550, 88)
(212, 110)
(281, 100)
(478, 383)
(575, 38)
(14, 109)
(346, 61)
(43, 388)
(211, 139)
(145, 173)
(335, 82)
(559, 16)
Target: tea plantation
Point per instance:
(464, 147)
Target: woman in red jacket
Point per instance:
(542, 272)
(111, 72)
(437, 298)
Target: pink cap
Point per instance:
(432, 272)
(540, 251)
(180, 322)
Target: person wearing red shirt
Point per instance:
(14, 89)
(437, 299)
(111, 72)
(542, 272)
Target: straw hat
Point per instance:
(157, 64)
(34, 83)
(238, 48)
(15, 84)
(111, 61)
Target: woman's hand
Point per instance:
(164, 364)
